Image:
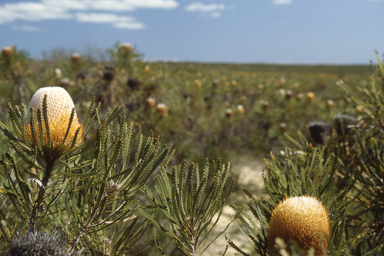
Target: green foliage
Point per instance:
(312, 173)
(97, 193)
(92, 198)
(192, 203)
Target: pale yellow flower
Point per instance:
(59, 108)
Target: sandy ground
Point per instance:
(247, 172)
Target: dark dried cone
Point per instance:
(320, 132)
(133, 83)
(109, 73)
(342, 124)
(82, 75)
(40, 244)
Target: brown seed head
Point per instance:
(75, 58)
(126, 47)
(162, 109)
(283, 127)
(288, 94)
(301, 219)
(264, 104)
(330, 104)
(8, 51)
(228, 112)
(151, 102)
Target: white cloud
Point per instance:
(204, 7)
(124, 22)
(214, 10)
(27, 28)
(31, 11)
(64, 9)
(279, 2)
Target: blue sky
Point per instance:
(241, 31)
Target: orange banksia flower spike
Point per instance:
(52, 122)
(300, 218)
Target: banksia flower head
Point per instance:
(8, 51)
(75, 57)
(62, 132)
(162, 109)
(300, 218)
(311, 96)
(240, 109)
(126, 47)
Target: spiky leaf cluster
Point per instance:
(313, 174)
(370, 160)
(91, 192)
(192, 202)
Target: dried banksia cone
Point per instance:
(283, 127)
(330, 104)
(126, 47)
(133, 83)
(288, 94)
(162, 109)
(264, 104)
(75, 58)
(216, 82)
(59, 106)
(151, 102)
(344, 123)
(228, 112)
(320, 132)
(108, 73)
(8, 51)
(65, 82)
(40, 244)
(300, 218)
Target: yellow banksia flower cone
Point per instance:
(59, 108)
(301, 219)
